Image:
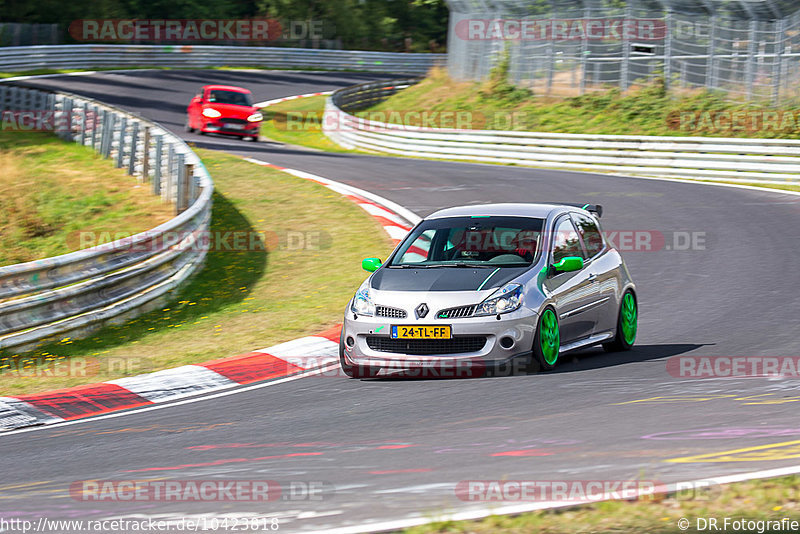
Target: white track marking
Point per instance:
(486, 511)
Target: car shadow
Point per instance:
(597, 358)
(582, 360)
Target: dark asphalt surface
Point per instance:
(394, 449)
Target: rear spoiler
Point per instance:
(595, 209)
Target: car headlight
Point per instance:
(211, 113)
(362, 303)
(504, 300)
(255, 117)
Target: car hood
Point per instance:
(442, 278)
(231, 111)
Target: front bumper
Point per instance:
(505, 339)
(216, 126)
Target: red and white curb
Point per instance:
(279, 361)
(274, 101)
(285, 359)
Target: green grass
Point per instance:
(299, 122)
(243, 300)
(645, 110)
(770, 499)
(52, 190)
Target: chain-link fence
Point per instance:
(747, 48)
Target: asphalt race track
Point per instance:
(394, 449)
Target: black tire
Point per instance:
(540, 358)
(621, 342)
(354, 371)
(254, 138)
(188, 127)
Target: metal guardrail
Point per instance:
(75, 293)
(704, 158)
(21, 58)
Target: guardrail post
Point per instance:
(108, 129)
(180, 184)
(123, 125)
(13, 95)
(184, 187)
(66, 109)
(166, 191)
(145, 177)
(158, 165)
(3, 96)
(193, 188)
(134, 142)
(50, 102)
(95, 125)
(84, 117)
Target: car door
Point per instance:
(604, 268)
(574, 292)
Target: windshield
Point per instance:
(229, 97)
(471, 242)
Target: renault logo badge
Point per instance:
(421, 311)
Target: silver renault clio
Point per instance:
(487, 286)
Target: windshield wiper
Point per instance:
(409, 266)
(460, 265)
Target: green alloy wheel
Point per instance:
(627, 324)
(548, 340)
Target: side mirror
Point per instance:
(569, 264)
(371, 264)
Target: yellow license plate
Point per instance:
(421, 332)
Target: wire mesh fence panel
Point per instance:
(749, 49)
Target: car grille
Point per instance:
(388, 311)
(232, 121)
(457, 313)
(455, 345)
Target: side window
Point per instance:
(565, 241)
(592, 238)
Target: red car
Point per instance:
(224, 109)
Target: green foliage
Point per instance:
(646, 109)
(369, 24)
(498, 87)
